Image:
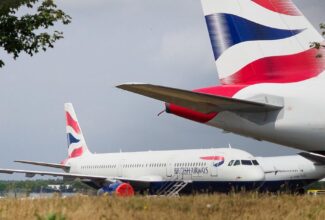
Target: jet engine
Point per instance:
(118, 189)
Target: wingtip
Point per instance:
(128, 84)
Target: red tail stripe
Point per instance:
(76, 152)
(72, 123)
(279, 69)
(286, 7)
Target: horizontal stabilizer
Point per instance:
(200, 102)
(318, 158)
(52, 165)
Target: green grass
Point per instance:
(218, 206)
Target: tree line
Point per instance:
(39, 186)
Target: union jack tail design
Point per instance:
(76, 142)
(261, 41)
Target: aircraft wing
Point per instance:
(145, 179)
(142, 181)
(53, 165)
(318, 158)
(204, 103)
(30, 173)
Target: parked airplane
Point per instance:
(272, 83)
(168, 172)
(164, 172)
(291, 173)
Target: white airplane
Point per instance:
(169, 172)
(157, 171)
(291, 173)
(272, 81)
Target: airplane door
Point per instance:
(301, 170)
(169, 170)
(120, 168)
(214, 169)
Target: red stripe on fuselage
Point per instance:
(279, 69)
(212, 158)
(72, 123)
(286, 7)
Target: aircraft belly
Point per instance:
(294, 135)
(300, 124)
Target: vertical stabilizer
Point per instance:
(261, 41)
(76, 142)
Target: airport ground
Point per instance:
(218, 206)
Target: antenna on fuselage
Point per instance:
(229, 145)
(160, 113)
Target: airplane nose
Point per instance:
(259, 175)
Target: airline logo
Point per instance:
(217, 160)
(74, 136)
(261, 41)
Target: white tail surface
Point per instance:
(76, 142)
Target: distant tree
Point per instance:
(27, 30)
(319, 45)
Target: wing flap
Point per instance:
(204, 103)
(144, 179)
(31, 173)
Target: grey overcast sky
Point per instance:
(110, 42)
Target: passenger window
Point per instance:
(230, 163)
(237, 163)
(246, 162)
(255, 162)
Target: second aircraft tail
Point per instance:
(76, 142)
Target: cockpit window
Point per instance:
(237, 163)
(246, 162)
(255, 162)
(230, 163)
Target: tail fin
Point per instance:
(261, 41)
(76, 142)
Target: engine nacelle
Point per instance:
(119, 189)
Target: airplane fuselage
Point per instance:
(289, 172)
(300, 124)
(203, 169)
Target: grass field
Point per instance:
(236, 206)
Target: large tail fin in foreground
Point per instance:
(261, 41)
(76, 141)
